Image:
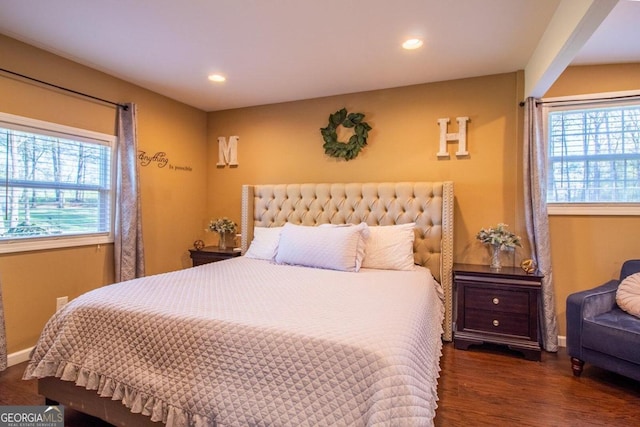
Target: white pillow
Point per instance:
(628, 294)
(334, 248)
(390, 247)
(265, 243)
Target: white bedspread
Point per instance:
(245, 342)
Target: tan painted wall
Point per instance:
(282, 143)
(589, 250)
(173, 202)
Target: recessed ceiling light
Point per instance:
(412, 44)
(217, 78)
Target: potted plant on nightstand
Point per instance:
(223, 226)
(499, 239)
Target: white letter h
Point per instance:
(461, 137)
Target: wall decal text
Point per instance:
(161, 160)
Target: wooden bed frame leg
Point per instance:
(576, 366)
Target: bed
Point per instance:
(272, 341)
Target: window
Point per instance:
(55, 185)
(594, 157)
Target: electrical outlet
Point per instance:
(60, 302)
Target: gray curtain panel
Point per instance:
(536, 218)
(3, 336)
(128, 246)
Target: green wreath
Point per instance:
(345, 150)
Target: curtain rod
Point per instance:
(583, 100)
(124, 107)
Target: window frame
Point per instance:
(27, 124)
(579, 102)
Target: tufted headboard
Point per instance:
(428, 204)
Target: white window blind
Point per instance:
(55, 185)
(594, 153)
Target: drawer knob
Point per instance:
(496, 323)
(496, 301)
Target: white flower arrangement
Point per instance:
(223, 225)
(499, 236)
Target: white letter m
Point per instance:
(228, 151)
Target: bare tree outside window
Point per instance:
(53, 185)
(594, 155)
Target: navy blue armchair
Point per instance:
(600, 333)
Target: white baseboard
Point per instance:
(19, 356)
(562, 341)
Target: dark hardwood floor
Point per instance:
(492, 386)
(485, 386)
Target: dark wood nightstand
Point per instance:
(497, 306)
(211, 254)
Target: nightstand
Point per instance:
(211, 254)
(497, 306)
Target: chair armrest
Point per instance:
(595, 301)
(585, 304)
(629, 267)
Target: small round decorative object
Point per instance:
(528, 266)
(198, 244)
(345, 150)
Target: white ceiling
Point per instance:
(282, 50)
(617, 39)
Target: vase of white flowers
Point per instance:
(499, 239)
(496, 262)
(223, 226)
